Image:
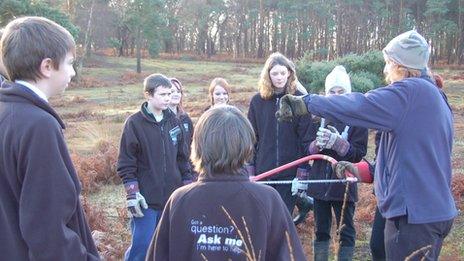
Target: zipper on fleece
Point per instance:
(277, 135)
(164, 158)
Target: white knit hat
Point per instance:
(409, 49)
(338, 78)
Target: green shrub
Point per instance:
(312, 75)
(361, 84)
(376, 80)
(366, 71)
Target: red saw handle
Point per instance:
(293, 164)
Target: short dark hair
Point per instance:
(27, 41)
(154, 81)
(223, 141)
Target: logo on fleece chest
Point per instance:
(174, 134)
(186, 127)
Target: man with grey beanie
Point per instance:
(413, 171)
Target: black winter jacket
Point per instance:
(41, 216)
(357, 137)
(154, 154)
(277, 143)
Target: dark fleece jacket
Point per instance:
(222, 217)
(277, 143)
(154, 154)
(41, 217)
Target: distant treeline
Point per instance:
(320, 29)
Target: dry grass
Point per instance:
(97, 169)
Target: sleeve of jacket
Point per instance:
(191, 128)
(49, 197)
(128, 151)
(183, 161)
(252, 119)
(304, 136)
(358, 144)
(284, 242)
(381, 109)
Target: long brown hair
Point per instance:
(265, 87)
(222, 141)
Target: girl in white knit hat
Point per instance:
(341, 142)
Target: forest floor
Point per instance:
(109, 91)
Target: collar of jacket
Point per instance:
(167, 114)
(242, 176)
(13, 92)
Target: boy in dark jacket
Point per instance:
(342, 142)
(152, 162)
(224, 216)
(41, 216)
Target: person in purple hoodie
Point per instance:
(413, 171)
(41, 216)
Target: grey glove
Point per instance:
(330, 138)
(135, 200)
(342, 166)
(291, 106)
(135, 203)
(298, 187)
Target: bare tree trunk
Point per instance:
(460, 35)
(86, 42)
(260, 52)
(139, 50)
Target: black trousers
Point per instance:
(285, 191)
(323, 218)
(377, 242)
(402, 239)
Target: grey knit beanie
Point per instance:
(409, 49)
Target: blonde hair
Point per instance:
(265, 87)
(223, 141)
(215, 82)
(176, 83)
(399, 72)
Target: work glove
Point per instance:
(135, 200)
(314, 148)
(361, 171)
(299, 188)
(291, 106)
(330, 138)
